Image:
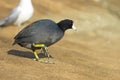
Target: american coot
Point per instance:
(20, 14)
(41, 34)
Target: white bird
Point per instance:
(20, 14)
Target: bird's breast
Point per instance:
(25, 14)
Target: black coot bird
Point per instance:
(42, 34)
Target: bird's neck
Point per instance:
(63, 28)
(25, 3)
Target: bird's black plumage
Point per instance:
(43, 31)
(42, 34)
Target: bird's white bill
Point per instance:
(74, 28)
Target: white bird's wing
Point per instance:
(12, 17)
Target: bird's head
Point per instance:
(66, 24)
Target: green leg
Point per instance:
(37, 57)
(45, 49)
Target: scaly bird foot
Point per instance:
(45, 61)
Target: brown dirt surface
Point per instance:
(90, 53)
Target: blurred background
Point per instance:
(90, 53)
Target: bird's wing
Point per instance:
(31, 29)
(12, 17)
(26, 32)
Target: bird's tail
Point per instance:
(3, 22)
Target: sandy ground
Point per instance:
(90, 53)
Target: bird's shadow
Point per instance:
(26, 54)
